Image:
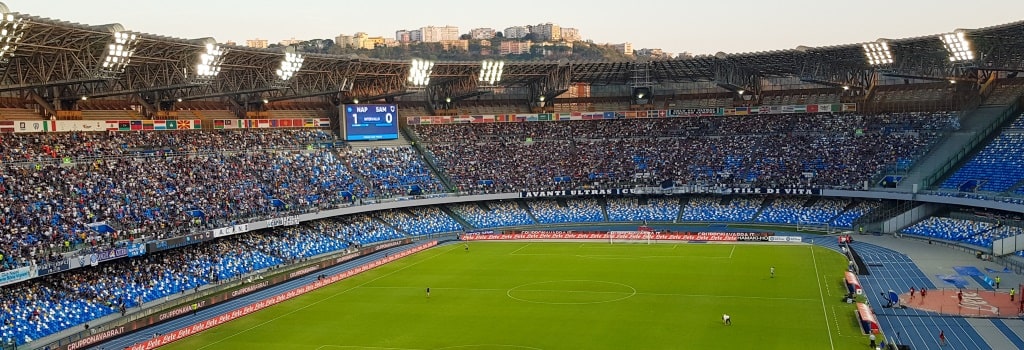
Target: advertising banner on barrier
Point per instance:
(283, 221)
(112, 254)
(624, 235)
(176, 242)
(52, 267)
(762, 190)
(230, 230)
(136, 249)
(16, 275)
(566, 193)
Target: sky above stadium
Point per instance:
(699, 27)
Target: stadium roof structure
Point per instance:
(60, 61)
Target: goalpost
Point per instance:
(814, 226)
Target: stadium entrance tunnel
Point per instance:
(571, 292)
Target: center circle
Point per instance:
(571, 292)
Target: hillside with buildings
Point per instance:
(545, 41)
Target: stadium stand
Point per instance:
(574, 210)
(497, 214)
(421, 221)
(998, 167)
(394, 171)
(718, 209)
(792, 150)
(950, 229)
(37, 308)
(846, 218)
(630, 209)
(792, 211)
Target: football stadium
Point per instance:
(160, 192)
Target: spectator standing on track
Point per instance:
(912, 292)
(960, 297)
(924, 292)
(1012, 293)
(997, 281)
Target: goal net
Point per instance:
(813, 226)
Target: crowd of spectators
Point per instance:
(630, 209)
(792, 211)
(785, 150)
(718, 209)
(574, 210)
(395, 171)
(496, 214)
(35, 147)
(49, 207)
(43, 306)
(420, 221)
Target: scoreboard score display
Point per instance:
(370, 122)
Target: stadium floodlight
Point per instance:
(958, 46)
(419, 72)
(878, 53)
(118, 53)
(11, 32)
(290, 64)
(209, 64)
(490, 71)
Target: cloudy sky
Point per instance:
(698, 27)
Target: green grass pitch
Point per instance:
(520, 295)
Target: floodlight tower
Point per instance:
(878, 53)
(117, 54)
(959, 47)
(490, 72)
(208, 62)
(419, 73)
(11, 31)
(291, 64)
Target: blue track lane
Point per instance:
(1009, 333)
(919, 329)
(213, 311)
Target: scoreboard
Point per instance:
(370, 122)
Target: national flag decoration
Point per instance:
(6, 126)
(325, 122)
(136, 125)
(159, 125)
(147, 125)
(124, 125)
(218, 124)
(184, 124)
